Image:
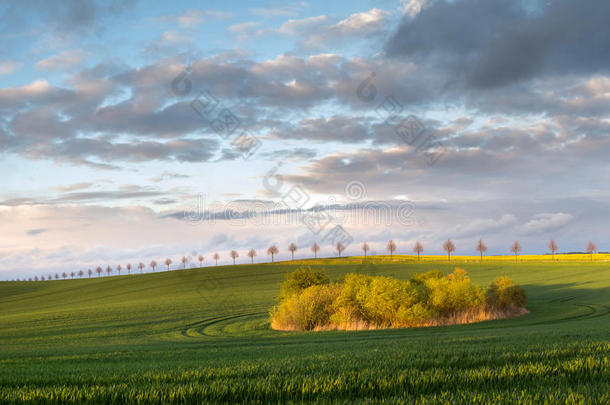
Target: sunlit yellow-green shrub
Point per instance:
(309, 301)
(454, 293)
(503, 293)
(310, 308)
(301, 279)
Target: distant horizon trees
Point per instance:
(252, 255)
(591, 248)
(365, 248)
(418, 248)
(391, 247)
(234, 255)
(449, 247)
(201, 259)
(273, 250)
(516, 248)
(553, 248)
(315, 248)
(481, 247)
(292, 248)
(339, 247)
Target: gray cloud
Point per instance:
(494, 43)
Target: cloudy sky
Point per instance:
(132, 131)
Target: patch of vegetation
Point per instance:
(308, 301)
(202, 336)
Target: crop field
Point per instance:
(202, 335)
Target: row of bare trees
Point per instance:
(448, 246)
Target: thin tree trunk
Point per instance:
(417, 256)
(481, 256)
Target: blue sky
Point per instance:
(105, 160)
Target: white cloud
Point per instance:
(279, 10)
(412, 7)
(65, 60)
(546, 222)
(480, 227)
(8, 66)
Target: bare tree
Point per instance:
(216, 257)
(591, 248)
(128, 267)
(234, 255)
(481, 248)
(81, 273)
(201, 259)
(184, 261)
(153, 264)
(449, 247)
(108, 269)
(168, 263)
(72, 274)
(89, 272)
(292, 248)
(119, 268)
(50, 277)
(56, 276)
(365, 248)
(29, 278)
(516, 248)
(418, 248)
(98, 270)
(553, 248)
(35, 278)
(141, 266)
(273, 250)
(340, 248)
(42, 278)
(391, 247)
(64, 275)
(315, 249)
(252, 254)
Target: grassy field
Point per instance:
(202, 335)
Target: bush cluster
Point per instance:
(309, 301)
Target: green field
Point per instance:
(202, 335)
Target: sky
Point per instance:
(135, 131)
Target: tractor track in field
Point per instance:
(592, 311)
(197, 329)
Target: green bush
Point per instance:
(308, 301)
(454, 293)
(301, 279)
(503, 293)
(307, 310)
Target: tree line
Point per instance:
(418, 248)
